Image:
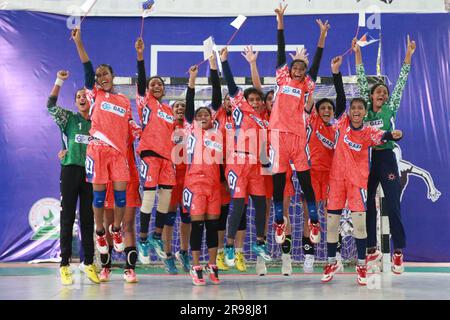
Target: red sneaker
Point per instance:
(314, 232)
(102, 244)
(119, 246)
(213, 272)
(362, 275)
(130, 276)
(330, 270)
(105, 275)
(397, 263)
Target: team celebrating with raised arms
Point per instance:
(208, 162)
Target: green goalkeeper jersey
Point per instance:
(75, 132)
(385, 118)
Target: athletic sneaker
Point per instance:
(261, 269)
(330, 270)
(314, 232)
(261, 250)
(105, 275)
(143, 248)
(130, 276)
(373, 258)
(158, 246)
(229, 256)
(102, 244)
(397, 263)
(286, 264)
(183, 259)
(66, 275)
(339, 257)
(240, 261)
(308, 264)
(90, 271)
(220, 261)
(213, 272)
(280, 231)
(362, 275)
(119, 246)
(169, 265)
(197, 275)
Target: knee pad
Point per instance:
(105, 259)
(120, 198)
(212, 237)
(185, 218)
(196, 235)
(99, 199)
(131, 255)
(164, 196)
(359, 225)
(170, 219)
(333, 222)
(308, 246)
(286, 245)
(148, 200)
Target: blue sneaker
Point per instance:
(261, 250)
(143, 256)
(229, 256)
(183, 259)
(158, 246)
(169, 264)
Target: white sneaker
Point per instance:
(280, 231)
(261, 268)
(286, 264)
(308, 264)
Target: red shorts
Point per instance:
(320, 181)
(133, 197)
(342, 191)
(224, 195)
(289, 190)
(104, 163)
(289, 147)
(155, 171)
(202, 197)
(177, 191)
(244, 180)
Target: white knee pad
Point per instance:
(359, 225)
(333, 221)
(148, 201)
(164, 196)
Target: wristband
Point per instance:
(59, 82)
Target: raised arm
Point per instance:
(394, 101)
(142, 77)
(251, 58)
(281, 51)
(59, 115)
(363, 85)
(190, 94)
(216, 100)
(89, 74)
(338, 86)
(232, 88)
(314, 69)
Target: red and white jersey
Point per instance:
(289, 103)
(179, 153)
(110, 113)
(321, 139)
(351, 156)
(158, 124)
(204, 152)
(248, 124)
